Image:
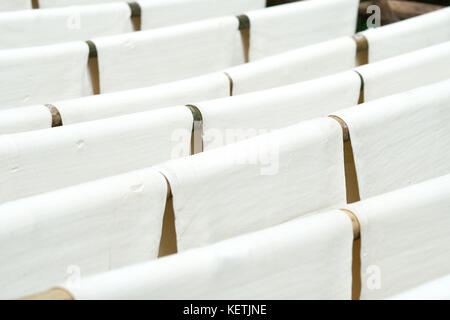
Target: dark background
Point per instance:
(441, 2)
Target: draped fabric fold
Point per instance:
(151, 57)
(43, 27)
(290, 26)
(40, 74)
(13, 5)
(282, 69)
(24, 119)
(289, 261)
(40, 161)
(78, 231)
(400, 140)
(108, 105)
(162, 13)
(257, 183)
(432, 290)
(393, 75)
(297, 65)
(231, 119)
(65, 3)
(259, 153)
(404, 242)
(408, 35)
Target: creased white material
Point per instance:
(308, 258)
(25, 119)
(162, 13)
(294, 66)
(145, 58)
(12, 5)
(291, 26)
(257, 183)
(433, 290)
(113, 104)
(406, 72)
(81, 230)
(402, 139)
(44, 160)
(41, 27)
(232, 119)
(405, 240)
(408, 35)
(41, 74)
(65, 3)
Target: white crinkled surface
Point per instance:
(37, 75)
(25, 119)
(78, 231)
(307, 258)
(401, 139)
(162, 13)
(43, 27)
(169, 94)
(15, 5)
(232, 119)
(65, 3)
(405, 242)
(406, 71)
(141, 59)
(408, 35)
(290, 26)
(41, 161)
(257, 183)
(296, 65)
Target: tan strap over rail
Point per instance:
(168, 242)
(351, 178)
(56, 116)
(244, 28)
(94, 70)
(361, 90)
(230, 79)
(197, 130)
(356, 255)
(136, 15)
(362, 49)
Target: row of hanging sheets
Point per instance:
(102, 185)
(45, 4)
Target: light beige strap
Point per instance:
(355, 224)
(345, 131)
(362, 49)
(356, 255)
(197, 130)
(52, 294)
(230, 79)
(361, 90)
(136, 15)
(351, 178)
(93, 67)
(56, 116)
(168, 242)
(244, 28)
